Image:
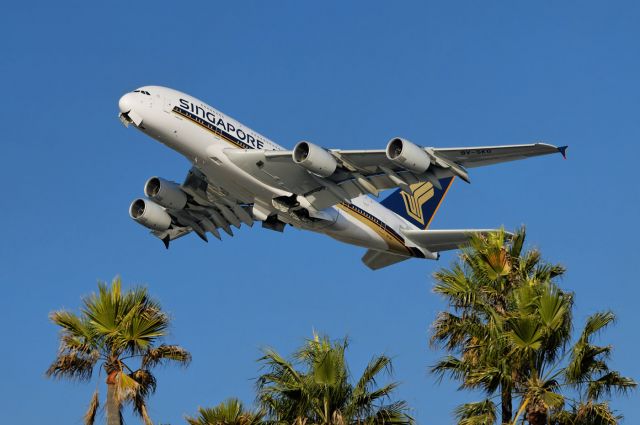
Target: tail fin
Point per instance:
(420, 206)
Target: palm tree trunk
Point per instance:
(113, 405)
(506, 404)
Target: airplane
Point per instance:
(239, 176)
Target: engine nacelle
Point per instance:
(407, 155)
(166, 193)
(150, 214)
(314, 158)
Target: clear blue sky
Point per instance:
(341, 74)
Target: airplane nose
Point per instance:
(125, 103)
(127, 114)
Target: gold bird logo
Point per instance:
(420, 193)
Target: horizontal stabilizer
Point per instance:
(377, 259)
(443, 240)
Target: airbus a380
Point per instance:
(238, 176)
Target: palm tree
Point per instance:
(480, 289)
(316, 388)
(509, 332)
(229, 412)
(112, 331)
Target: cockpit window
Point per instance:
(143, 92)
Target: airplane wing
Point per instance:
(325, 177)
(205, 211)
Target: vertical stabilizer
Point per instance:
(420, 206)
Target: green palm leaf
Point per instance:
(479, 413)
(526, 333)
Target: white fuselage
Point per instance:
(202, 134)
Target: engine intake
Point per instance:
(407, 155)
(150, 214)
(166, 193)
(314, 158)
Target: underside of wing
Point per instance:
(324, 177)
(171, 211)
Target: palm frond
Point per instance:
(586, 361)
(392, 414)
(72, 324)
(597, 322)
(455, 286)
(229, 412)
(361, 401)
(374, 367)
(92, 410)
(490, 378)
(73, 365)
(165, 353)
(478, 413)
(450, 366)
(126, 387)
(146, 383)
(591, 413)
(129, 322)
(455, 332)
(279, 366)
(526, 333)
(609, 383)
(517, 242)
(141, 410)
(552, 308)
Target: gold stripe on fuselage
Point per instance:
(394, 242)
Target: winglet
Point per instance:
(166, 241)
(563, 151)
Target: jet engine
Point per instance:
(314, 158)
(407, 155)
(150, 214)
(166, 193)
